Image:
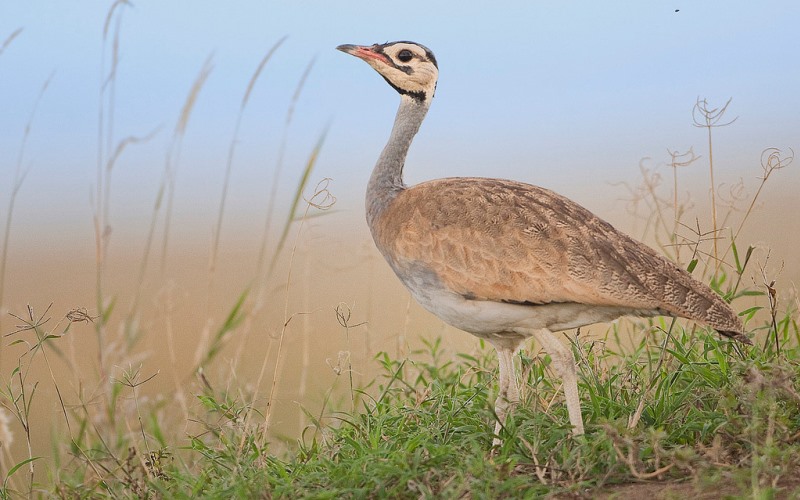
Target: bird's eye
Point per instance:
(405, 55)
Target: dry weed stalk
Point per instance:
(167, 186)
(10, 38)
(627, 451)
(171, 166)
(647, 194)
(321, 199)
(231, 151)
(645, 202)
(17, 181)
(261, 276)
(343, 313)
(709, 118)
(19, 178)
(305, 364)
(131, 378)
(772, 299)
(772, 160)
(203, 343)
(109, 151)
(678, 160)
(262, 252)
(18, 394)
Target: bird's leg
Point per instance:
(508, 393)
(564, 365)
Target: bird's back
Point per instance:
(510, 242)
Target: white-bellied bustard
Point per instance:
(506, 261)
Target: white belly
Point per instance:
(486, 318)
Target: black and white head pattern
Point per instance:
(407, 66)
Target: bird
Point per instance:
(506, 260)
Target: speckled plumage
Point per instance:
(505, 241)
(505, 260)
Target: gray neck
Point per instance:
(387, 176)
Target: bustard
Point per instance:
(506, 261)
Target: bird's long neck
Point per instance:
(387, 176)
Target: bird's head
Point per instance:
(408, 67)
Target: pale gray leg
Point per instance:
(564, 365)
(508, 390)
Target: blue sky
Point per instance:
(566, 95)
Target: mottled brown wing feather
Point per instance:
(500, 240)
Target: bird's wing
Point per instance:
(506, 241)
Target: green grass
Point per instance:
(714, 416)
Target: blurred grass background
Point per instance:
(138, 118)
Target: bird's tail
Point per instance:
(738, 336)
